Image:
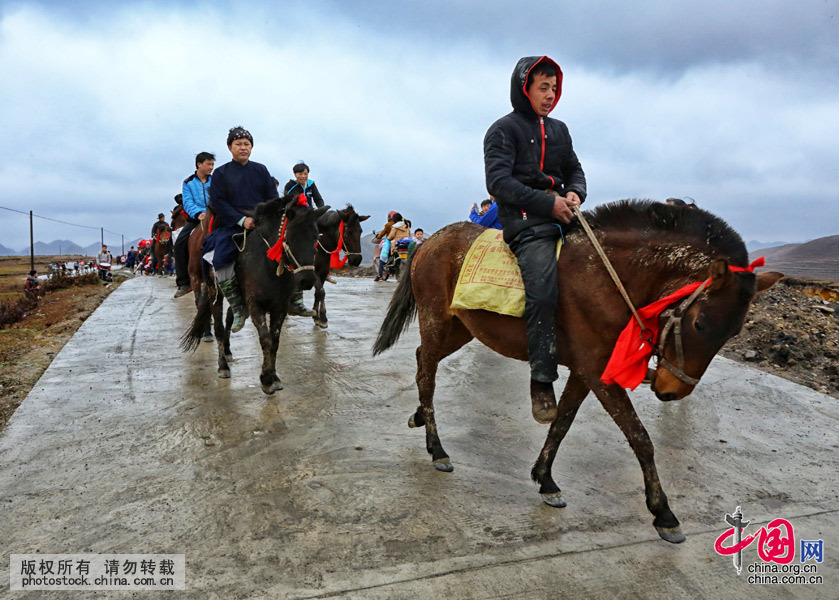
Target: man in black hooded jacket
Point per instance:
(536, 178)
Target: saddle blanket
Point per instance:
(490, 278)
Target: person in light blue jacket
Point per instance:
(196, 192)
(487, 216)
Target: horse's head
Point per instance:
(301, 234)
(352, 234)
(693, 330)
(178, 218)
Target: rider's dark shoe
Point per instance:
(231, 291)
(296, 308)
(377, 278)
(543, 401)
(183, 290)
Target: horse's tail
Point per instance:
(401, 311)
(191, 339)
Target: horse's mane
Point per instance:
(270, 210)
(331, 217)
(687, 222)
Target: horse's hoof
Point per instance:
(208, 338)
(321, 324)
(673, 535)
(443, 464)
(412, 423)
(554, 500)
(274, 387)
(224, 373)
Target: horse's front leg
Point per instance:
(572, 397)
(222, 336)
(320, 306)
(616, 402)
(269, 339)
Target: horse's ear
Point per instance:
(364, 218)
(767, 280)
(320, 211)
(720, 274)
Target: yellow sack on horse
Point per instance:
(490, 278)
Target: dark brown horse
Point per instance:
(338, 230)
(161, 249)
(655, 249)
(266, 284)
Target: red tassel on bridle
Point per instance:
(335, 260)
(275, 252)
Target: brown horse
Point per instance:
(161, 249)
(655, 249)
(331, 238)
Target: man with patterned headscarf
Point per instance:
(237, 188)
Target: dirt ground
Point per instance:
(792, 331)
(28, 346)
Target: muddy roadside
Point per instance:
(28, 346)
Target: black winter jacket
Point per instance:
(518, 171)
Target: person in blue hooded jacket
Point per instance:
(195, 194)
(533, 172)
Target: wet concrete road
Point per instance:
(128, 446)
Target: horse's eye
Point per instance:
(699, 323)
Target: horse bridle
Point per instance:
(294, 265)
(674, 317)
(343, 248)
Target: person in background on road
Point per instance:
(130, 258)
(536, 178)
(104, 260)
(301, 184)
(416, 241)
(195, 194)
(383, 239)
(238, 186)
(487, 216)
(32, 287)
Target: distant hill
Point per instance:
(367, 249)
(817, 259)
(55, 248)
(8, 251)
(753, 245)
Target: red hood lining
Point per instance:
(558, 82)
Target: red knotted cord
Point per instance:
(335, 260)
(630, 359)
(275, 252)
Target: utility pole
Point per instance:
(123, 243)
(31, 243)
(102, 236)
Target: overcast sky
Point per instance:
(103, 106)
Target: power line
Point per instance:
(55, 220)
